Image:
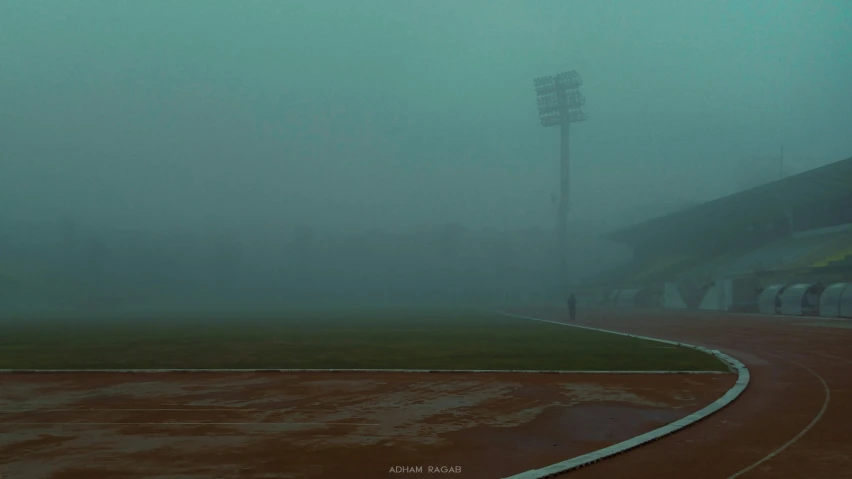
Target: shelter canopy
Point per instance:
(766, 202)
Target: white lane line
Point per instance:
(11, 410)
(803, 431)
(186, 424)
(835, 357)
(447, 371)
(793, 317)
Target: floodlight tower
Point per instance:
(559, 103)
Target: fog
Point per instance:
(282, 152)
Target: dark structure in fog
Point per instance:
(793, 235)
(559, 101)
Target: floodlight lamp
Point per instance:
(574, 116)
(551, 121)
(547, 109)
(547, 99)
(544, 85)
(572, 76)
(569, 79)
(546, 89)
(574, 99)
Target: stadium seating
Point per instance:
(793, 230)
(846, 262)
(835, 250)
(785, 253)
(842, 259)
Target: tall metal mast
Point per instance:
(559, 102)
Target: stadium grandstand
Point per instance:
(781, 248)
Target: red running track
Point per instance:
(793, 421)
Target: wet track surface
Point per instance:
(326, 425)
(793, 421)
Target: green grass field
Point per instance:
(331, 339)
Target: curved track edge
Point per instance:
(743, 378)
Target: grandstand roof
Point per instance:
(763, 202)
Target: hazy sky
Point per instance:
(402, 113)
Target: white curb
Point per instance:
(624, 446)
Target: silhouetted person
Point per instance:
(572, 307)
